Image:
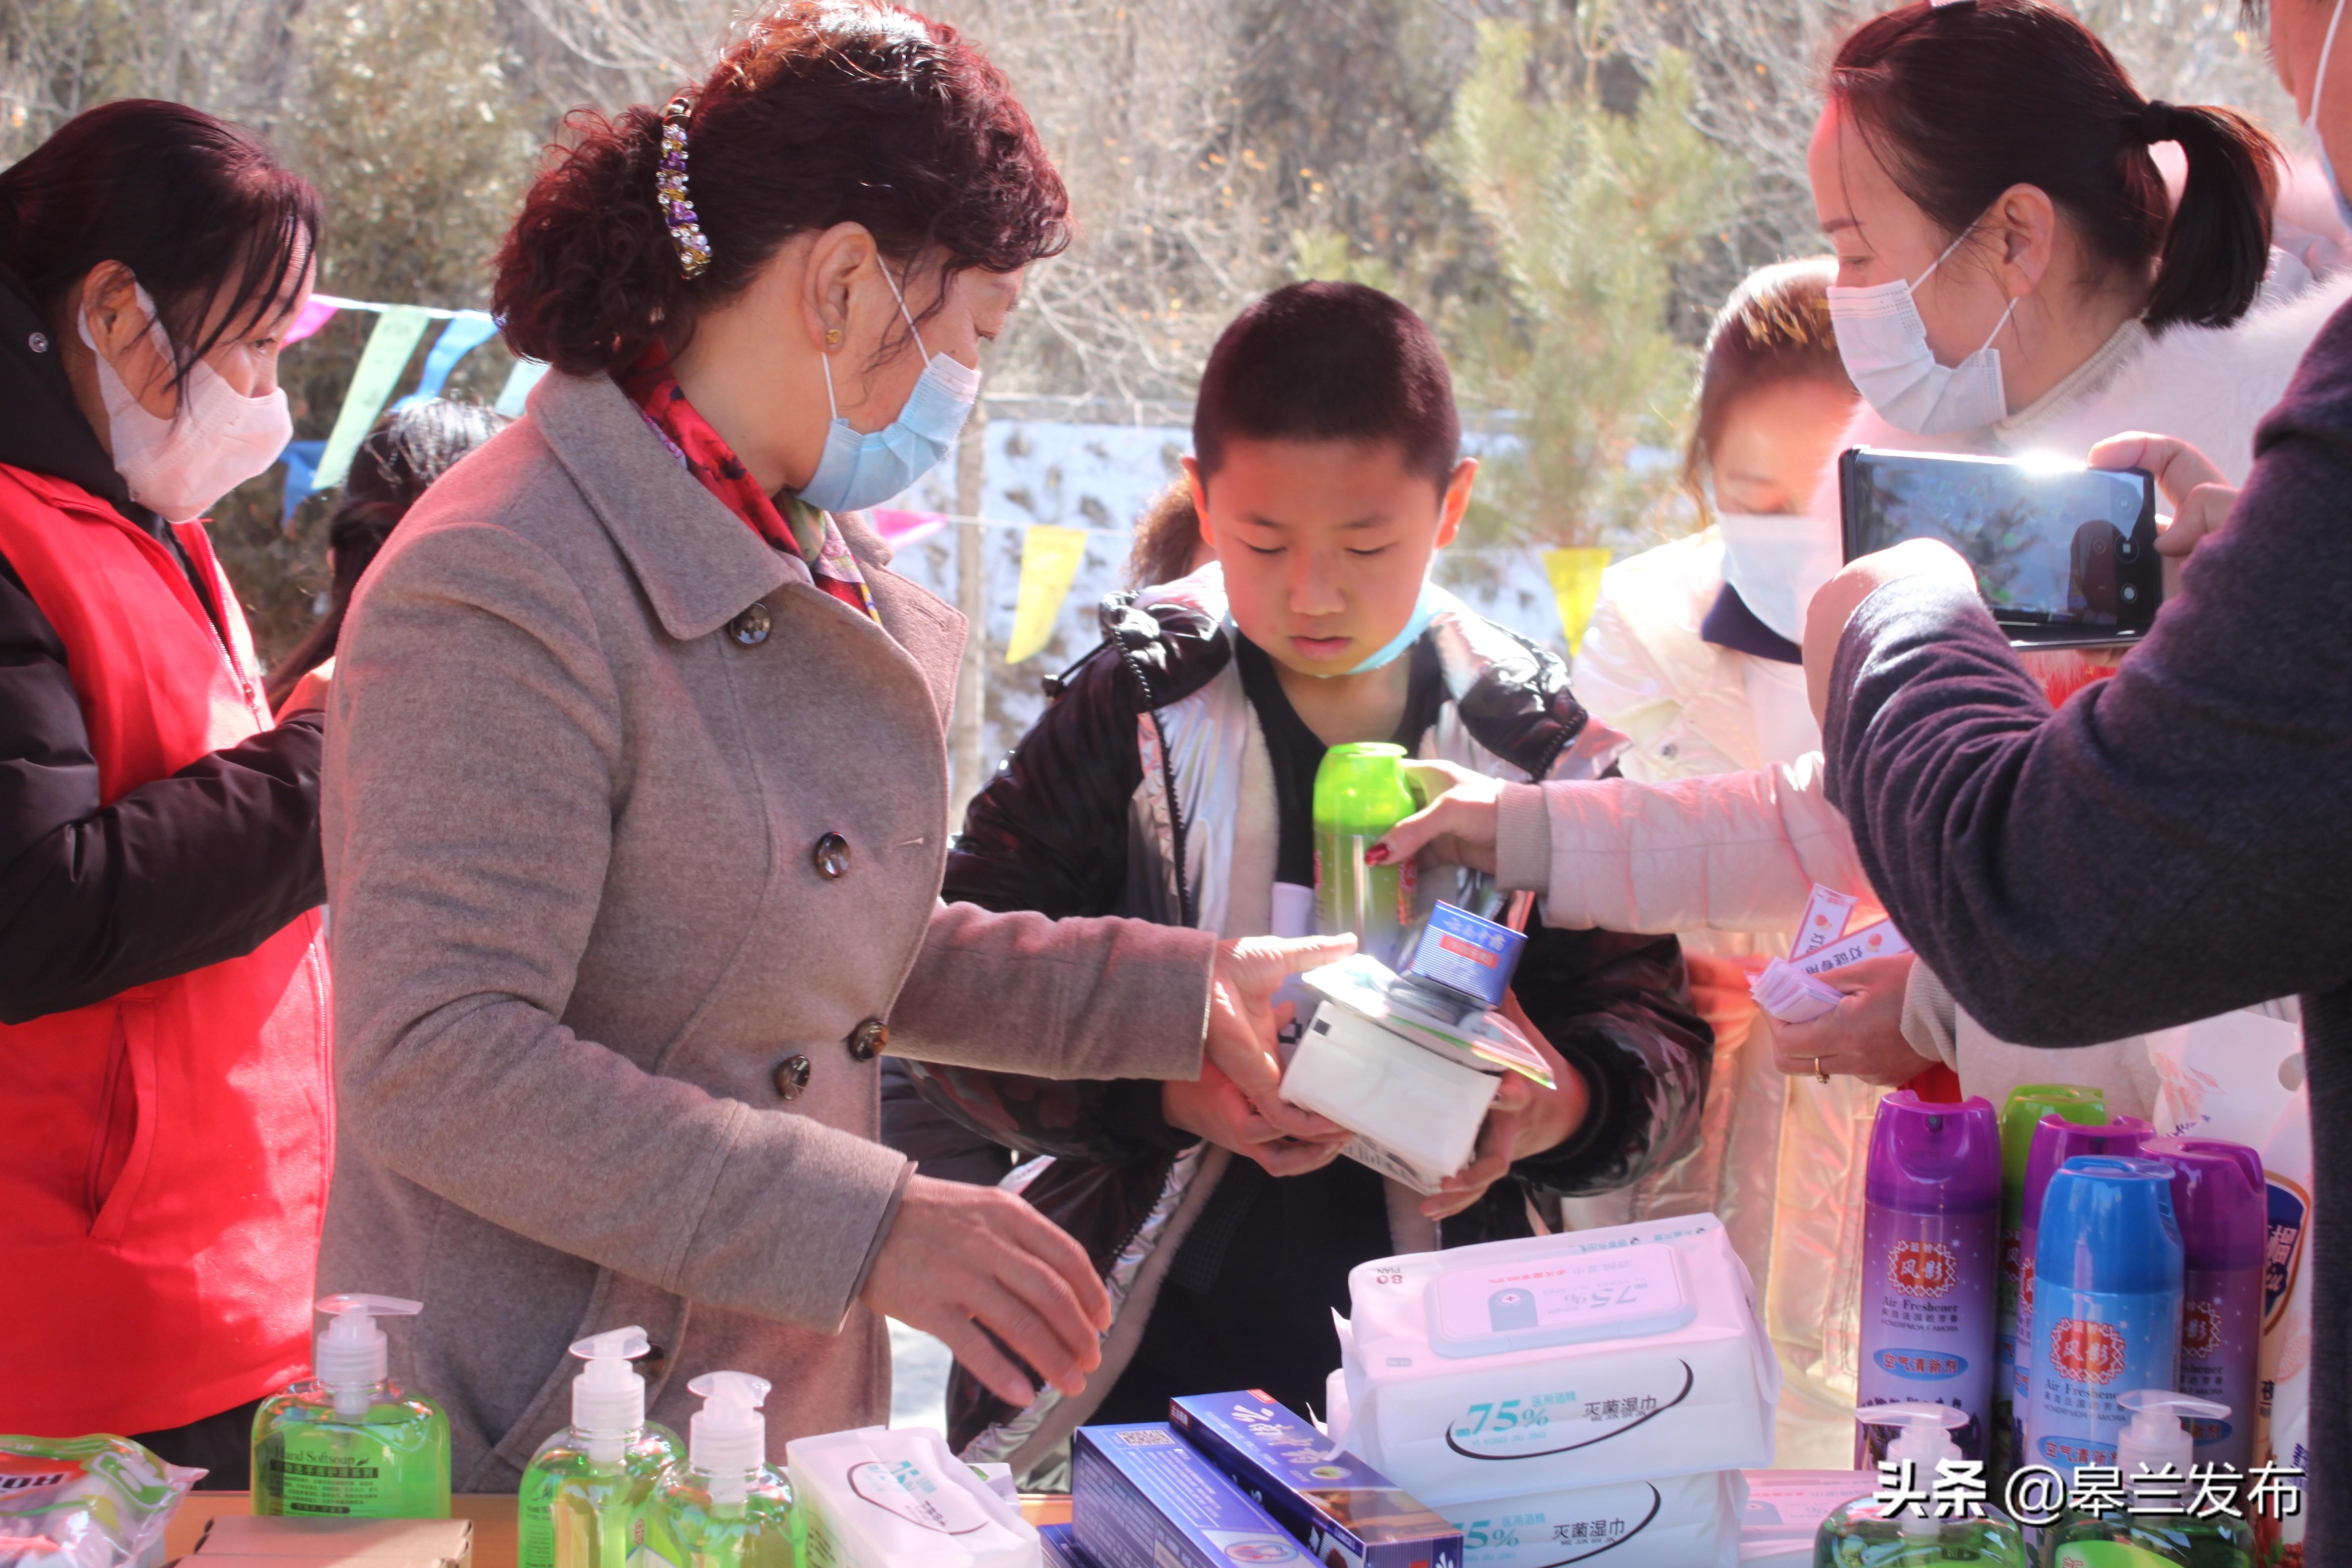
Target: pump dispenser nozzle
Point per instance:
(1923, 1435)
(608, 1398)
(2156, 1437)
(728, 1439)
(352, 1357)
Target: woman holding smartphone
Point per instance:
(2012, 279)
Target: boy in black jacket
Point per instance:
(1171, 778)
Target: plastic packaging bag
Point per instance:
(85, 1502)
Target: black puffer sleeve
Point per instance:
(175, 875)
(1618, 1008)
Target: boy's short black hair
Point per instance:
(1329, 362)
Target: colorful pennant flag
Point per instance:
(1050, 557)
(1576, 584)
(467, 331)
(316, 312)
(301, 460)
(381, 364)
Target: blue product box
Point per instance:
(1462, 954)
(1062, 1546)
(1348, 1513)
(1142, 1498)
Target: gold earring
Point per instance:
(831, 336)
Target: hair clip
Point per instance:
(669, 191)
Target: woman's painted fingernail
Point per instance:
(1378, 855)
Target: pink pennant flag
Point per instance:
(315, 313)
(901, 529)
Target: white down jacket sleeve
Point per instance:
(1730, 851)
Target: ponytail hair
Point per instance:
(829, 111)
(1961, 100)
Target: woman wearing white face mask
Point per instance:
(162, 987)
(1693, 653)
(629, 909)
(2010, 280)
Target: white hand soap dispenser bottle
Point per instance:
(584, 1495)
(2154, 1453)
(1864, 1534)
(347, 1442)
(725, 1507)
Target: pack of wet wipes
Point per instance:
(1674, 1522)
(1552, 1363)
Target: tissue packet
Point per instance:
(879, 1496)
(86, 1502)
(1554, 1362)
(1676, 1521)
(1140, 1494)
(1348, 1514)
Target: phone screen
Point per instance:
(2062, 552)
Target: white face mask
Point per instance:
(2311, 121)
(1777, 564)
(178, 467)
(1883, 343)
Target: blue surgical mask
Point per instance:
(1415, 624)
(2311, 121)
(861, 470)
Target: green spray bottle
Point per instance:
(1361, 792)
(584, 1495)
(348, 1444)
(725, 1507)
(2027, 1104)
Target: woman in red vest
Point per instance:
(166, 1134)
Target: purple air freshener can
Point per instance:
(2218, 1198)
(1930, 1247)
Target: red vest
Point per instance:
(165, 1157)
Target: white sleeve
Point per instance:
(1730, 851)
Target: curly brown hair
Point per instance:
(829, 111)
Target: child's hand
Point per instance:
(1211, 1108)
(1456, 828)
(1525, 1120)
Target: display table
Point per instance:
(493, 1514)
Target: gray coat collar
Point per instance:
(698, 563)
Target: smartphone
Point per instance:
(2065, 557)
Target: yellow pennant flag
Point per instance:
(1049, 563)
(1576, 582)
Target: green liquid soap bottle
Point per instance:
(348, 1444)
(2139, 1536)
(1859, 1534)
(1361, 792)
(584, 1495)
(725, 1507)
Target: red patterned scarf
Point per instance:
(809, 534)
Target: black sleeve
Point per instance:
(178, 874)
(1618, 1009)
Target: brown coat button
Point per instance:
(867, 1041)
(750, 628)
(831, 855)
(792, 1076)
